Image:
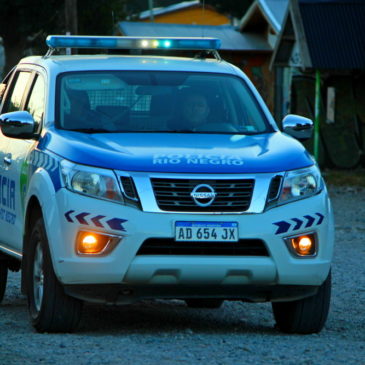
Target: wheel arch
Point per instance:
(39, 199)
(33, 211)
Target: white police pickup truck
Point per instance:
(130, 177)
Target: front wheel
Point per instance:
(51, 310)
(3, 278)
(306, 315)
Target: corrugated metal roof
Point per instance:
(169, 9)
(232, 40)
(335, 33)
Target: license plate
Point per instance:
(206, 231)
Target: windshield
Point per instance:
(150, 101)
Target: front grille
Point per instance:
(174, 195)
(168, 246)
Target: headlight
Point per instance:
(300, 184)
(95, 182)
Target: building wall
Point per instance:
(194, 15)
(256, 67)
(342, 141)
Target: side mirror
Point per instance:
(298, 127)
(18, 125)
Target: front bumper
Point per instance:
(126, 294)
(223, 276)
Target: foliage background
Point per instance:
(25, 24)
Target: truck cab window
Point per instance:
(35, 105)
(14, 99)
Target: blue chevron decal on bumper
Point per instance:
(283, 227)
(100, 221)
(295, 224)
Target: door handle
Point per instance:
(8, 160)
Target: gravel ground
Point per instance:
(167, 332)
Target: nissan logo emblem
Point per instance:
(203, 195)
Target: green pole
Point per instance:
(316, 114)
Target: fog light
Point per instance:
(91, 243)
(303, 245)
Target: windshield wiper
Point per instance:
(179, 131)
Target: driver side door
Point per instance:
(12, 150)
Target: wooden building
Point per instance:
(186, 12)
(264, 19)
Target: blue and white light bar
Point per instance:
(192, 43)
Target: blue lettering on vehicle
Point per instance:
(7, 199)
(7, 216)
(197, 159)
(7, 192)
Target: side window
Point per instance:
(14, 100)
(4, 85)
(35, 105)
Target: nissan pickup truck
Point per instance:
(126, 177)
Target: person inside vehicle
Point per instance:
(82, 117)
(195, 111)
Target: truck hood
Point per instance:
(179, 152)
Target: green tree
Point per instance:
(99, 17)
(23, 21)
(25, 24)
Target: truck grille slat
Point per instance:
(233, 195)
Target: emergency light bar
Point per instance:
(192, 43)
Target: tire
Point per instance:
(3, 278)
(307, 315)
(204, 303)
(50, 309)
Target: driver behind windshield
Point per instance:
(195, 111)
(192, 111)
